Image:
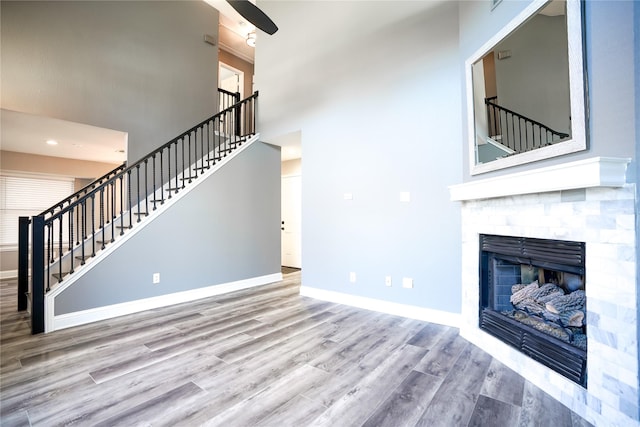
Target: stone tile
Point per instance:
(577, 195)
(616, 207)
(630, 409)
(622, 390)
(599, 221)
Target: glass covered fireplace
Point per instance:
(532, 297)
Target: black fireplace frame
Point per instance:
(567, 360)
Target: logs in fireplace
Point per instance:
(532, 297)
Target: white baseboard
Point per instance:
(8, 274)
(396, 309)
(54, 323)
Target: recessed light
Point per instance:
(52, 142)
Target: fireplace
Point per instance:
(584, 201)
(532, 297)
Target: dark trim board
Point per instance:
(262, 356)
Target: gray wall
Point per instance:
(226, 229)
(534, 81)
(136, 66)
(370, 87)
(610, 48)
(636, 16)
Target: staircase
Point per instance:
(513, 133)
(67, 236)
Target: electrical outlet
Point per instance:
(352, 277)
(387, 281)
(156, 278)
(407, 282)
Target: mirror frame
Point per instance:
(577, 93)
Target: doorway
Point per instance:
(291, 209)
(230, 79)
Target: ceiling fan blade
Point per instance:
(253, 14)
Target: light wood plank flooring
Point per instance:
(259, 357)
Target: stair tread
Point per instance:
(59, 276)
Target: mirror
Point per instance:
(526, 89)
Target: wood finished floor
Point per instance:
(259, 357)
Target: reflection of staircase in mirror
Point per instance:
(512, 133)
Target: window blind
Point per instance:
(27, 196)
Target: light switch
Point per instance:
(405, 196)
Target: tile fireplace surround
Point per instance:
(586, 201)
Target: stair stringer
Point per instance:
(53, 322)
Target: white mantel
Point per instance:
(588, 173)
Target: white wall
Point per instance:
(136, 66)
(373, 87)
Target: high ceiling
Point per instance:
(26, 133)
(233, 31)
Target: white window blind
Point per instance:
(27, 196)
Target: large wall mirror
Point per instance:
(525, 86)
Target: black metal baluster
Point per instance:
(130, 204)
(227, 136)
(71, 259)
(208, 145)
(168, 174)
(102, 216)
(146, 188)
(502, 140)
(49, 233)
(196, 150)
(83, 224)
(113, 211)
(138, 189)
(93, 224)
(78, 222)
(188, 136)
(176, 155)
(154, 180)
(182, 140)
(60, 249)
(70, 230)
(121, 204)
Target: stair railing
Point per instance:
(23, 233)
(72, 232)
(226, 99)
(516, 131)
